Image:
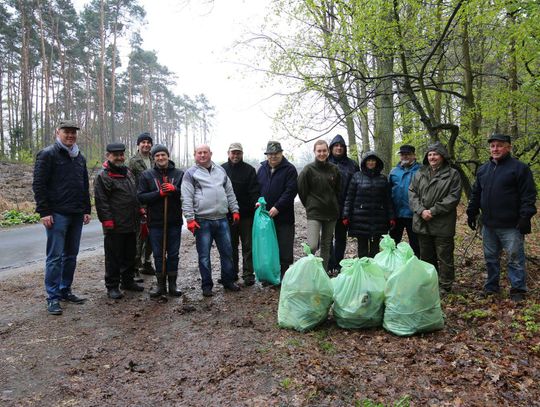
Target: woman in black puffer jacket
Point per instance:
(368, 206)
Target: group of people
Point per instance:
(141, 206)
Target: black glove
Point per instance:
(471, 221)
(524, 226)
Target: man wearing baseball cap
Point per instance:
(61, 191)
(400, 178)
(505, 195)
(246, 189)
(139, 163)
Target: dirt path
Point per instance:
(228, 350)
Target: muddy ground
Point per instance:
(228, 350)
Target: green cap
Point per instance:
(273, 147)
(68, 124)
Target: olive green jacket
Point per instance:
(440, 193)
(137, 166)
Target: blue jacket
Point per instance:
(346, 167)
(400, 178)
(60, 182)
(279, 189)
(504, 192)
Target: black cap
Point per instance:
(116, 147)
(406, 149)
(145, 136)
(159, 148)
(499, 137)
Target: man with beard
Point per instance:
(117, 208)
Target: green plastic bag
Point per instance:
(412, 299)
(392, 258)
(265, 250)
(359, 294)
(306, 294)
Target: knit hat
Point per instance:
(159, 148)
(144, 136)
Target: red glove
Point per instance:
(192, 226)
(144, 231)
(142, 211)
(345, 222)
(392, 223)
(108, 224)
(236, 218)
(166, 188)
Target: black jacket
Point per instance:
(148, 193)
(60, 182)
(116, 198)
(346, 167)
(245, 186)
(504, 191)
(368, 205)
(279, 189)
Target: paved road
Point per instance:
(25, 245)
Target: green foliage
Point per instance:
(404, 401)
(286, 383)
(476, 314)
(15, 217)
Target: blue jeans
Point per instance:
(218, 231)
(174, 234)
(509, 239)
(63, 240)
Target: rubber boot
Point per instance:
(173, 291)
(160, 290)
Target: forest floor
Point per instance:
(228, 349)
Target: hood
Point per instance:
(372, 154)
(338, 139)
(439, 148)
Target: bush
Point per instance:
(15, 217)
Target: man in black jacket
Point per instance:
(157, 185)
(62, 199)
(505, 193)
(246, 189)
(117, 208)
(347, 168)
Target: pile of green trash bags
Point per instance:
(265, 250)
(306, 294)
(402, 295)
(359, 294)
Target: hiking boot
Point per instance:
(517, 296)
(114, 293)
(231, 287)
(489, 293)
(207, 292)
(173, 291)
(160, 290)
(131, 286)
(249, 281)
(70, 297)
(53, 307)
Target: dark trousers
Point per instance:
(337, 252)
(174, 235)
(368, 246)
(439, 251)
(285, 238)
(397, 233)
(242, 232)
(120, 251)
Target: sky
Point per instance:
(195, 40)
